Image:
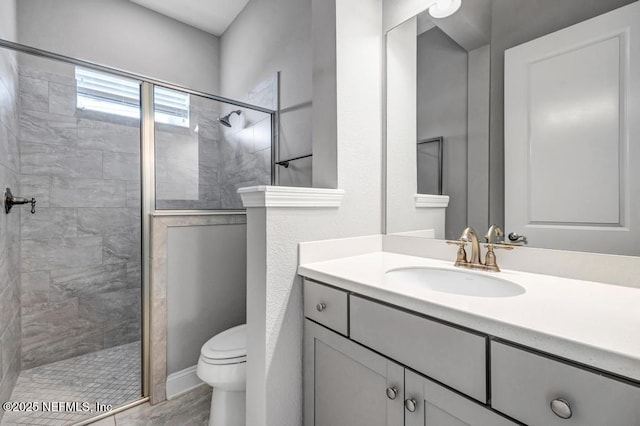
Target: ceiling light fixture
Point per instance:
(444, 8)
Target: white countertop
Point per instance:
(592, 323)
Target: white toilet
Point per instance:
(223, 365)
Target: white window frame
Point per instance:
(110, 94)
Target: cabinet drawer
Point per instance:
(523, 386)
(449, 355)
(327, 305)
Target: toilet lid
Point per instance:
(231, 343)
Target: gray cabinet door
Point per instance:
(436, 405)
(346, 384)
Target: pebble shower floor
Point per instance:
(110, 376)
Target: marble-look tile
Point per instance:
(36, 187)
(158, 338)
(57, 253)
(47, 70)
(79, 192)
(134, 275)
(189, 409)
(50, 347)
(121, 166)
(53, 331)
(122, 247)
(48, 317)
(9, 379)
(8, 106)
(102, 221)
(48, 222)
(236, 145)
(9, 149)
(62, 99)
(45, 128)
(111, 308)
(210, 195)
(262, 135)
(9, 305)
(10, 344)
(108, 137)
(122, 333)
(133, 194)
(87, 281)
(34, 94)
(34, 287)
(56, 160)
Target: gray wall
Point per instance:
(515, 22)
(9, 224)
(270, 36)
(121, 34)
(442, 111)
(206, 290)
(80, 257)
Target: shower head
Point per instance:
(225, 121)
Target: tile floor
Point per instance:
(110, 376)
(190, 409)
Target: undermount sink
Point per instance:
(455, 282)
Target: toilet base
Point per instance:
(227, 408)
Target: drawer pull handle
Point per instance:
(561, 408)
(411, 405)
(321, 307)
(392, 393)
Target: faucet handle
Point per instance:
(493, 234)
(490, 258)
(461, 256)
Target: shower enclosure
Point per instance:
(99, 151)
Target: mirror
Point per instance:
(446, 78)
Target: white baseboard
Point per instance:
(182, 381)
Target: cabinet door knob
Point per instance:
(321, 307)
(410, 405)
(392, 393)
(561, 408)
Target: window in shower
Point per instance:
(201, 166)
(111, 94)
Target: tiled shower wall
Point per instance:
(188, 160)
(202, 167)
(9, 227)
(246, 147)
(80, 257)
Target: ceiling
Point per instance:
(212, 16)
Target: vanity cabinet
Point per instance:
(455, 357)
(347, 384)
(436, 405)
(541, 391)
(389, 366)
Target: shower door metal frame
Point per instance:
(147, 162)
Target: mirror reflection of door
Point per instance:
(430, 166)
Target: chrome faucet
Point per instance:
(469, 235)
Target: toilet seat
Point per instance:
(228, 347)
